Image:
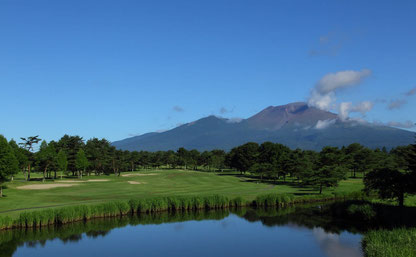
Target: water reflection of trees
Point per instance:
(10, 240)
(332, 218)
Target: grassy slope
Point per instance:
(165, 183)
(395, 243)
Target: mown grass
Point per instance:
(164, 183)
(390, 243)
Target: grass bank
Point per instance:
(390, 243)
(70, 214)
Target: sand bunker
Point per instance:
(44, 186)
(97, 180)
(135, 182)
(132, 175)
(70, 181)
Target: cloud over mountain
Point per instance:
(323, 95)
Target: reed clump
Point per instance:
(69, 214)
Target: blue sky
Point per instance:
(115, 69)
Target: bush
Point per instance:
(237, 202)
(5, 222)
(123, 207)
(363, 211)
(174, 203)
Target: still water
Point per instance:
(245, 232)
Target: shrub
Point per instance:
(123, 207)
(363, 211)
(237, 202)
(5, 222)
(134, 205)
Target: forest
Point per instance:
(391, 174)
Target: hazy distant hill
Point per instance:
(295, 125)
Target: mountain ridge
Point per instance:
(296, 125)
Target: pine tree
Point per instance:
(8, 162)
(81, 162)
(62, 162)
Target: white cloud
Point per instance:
(322, 101)
(333, 245)
(323, 95)
(363, 107)
(406, 124)
(234, 120)
(345, 108)
(342, 79)
(323, 124)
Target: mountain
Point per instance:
(296, 125)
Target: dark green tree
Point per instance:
(170, 159)
(62, 162)
(99, 156)
(217, 159)
(28, 144)
(71, 146)
(134, 158)
(262, 169)
(46, 157)
(205, 160)
(8, 162)
(389, 183)
(183, 157)
(328, 169)
(244, 157)
(20, 154)
(193, 157)
(357, 158)
(81, 162)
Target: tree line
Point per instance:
(71, 155)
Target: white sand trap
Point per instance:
(44, 186)
(70, 181)
(133, 175)
(135, 182)
(97, 180)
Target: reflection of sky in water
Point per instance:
(231, 236)
(343, 245)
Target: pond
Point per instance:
(296, 231)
